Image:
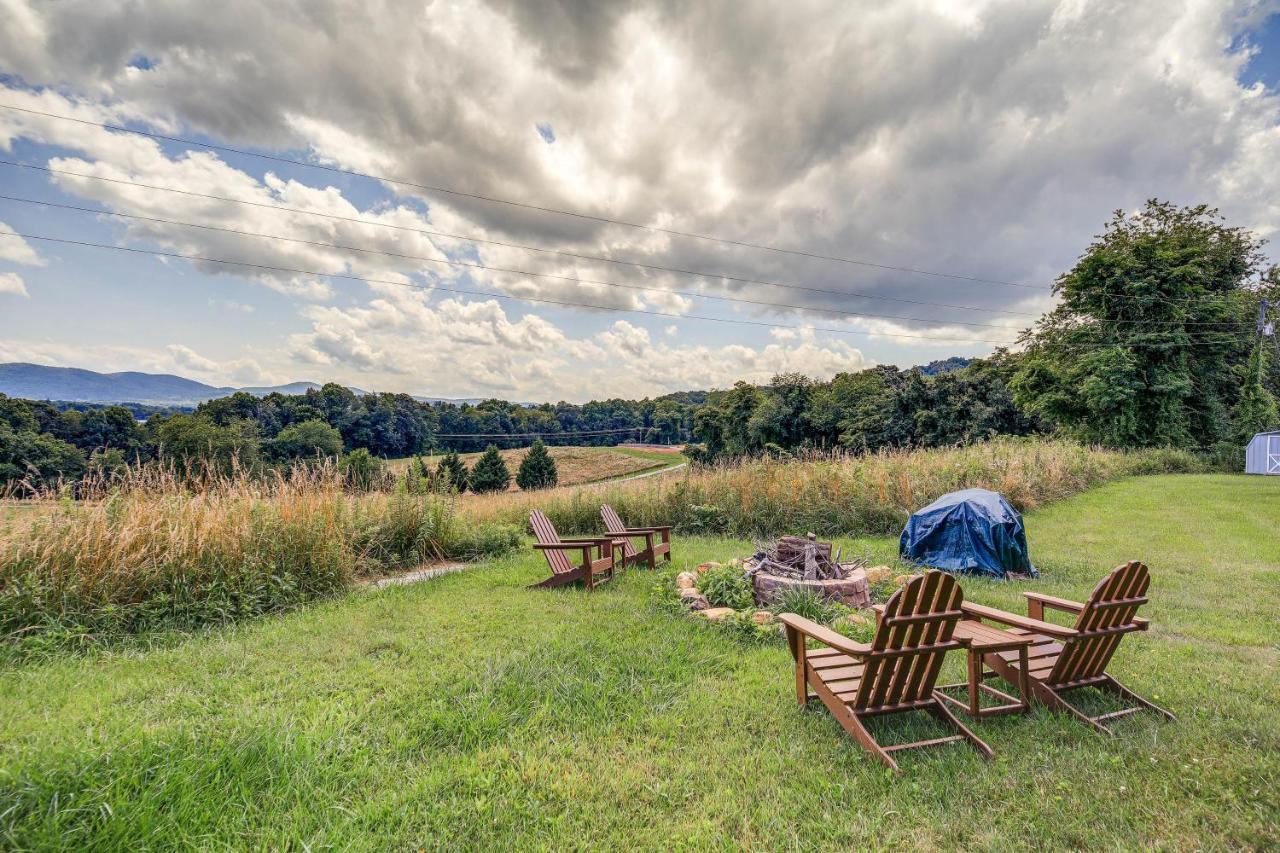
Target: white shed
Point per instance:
(1262, 456)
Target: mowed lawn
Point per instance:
(576, 465)
(470, 712)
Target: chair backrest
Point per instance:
(913, 635)
(545, 532)
(1107, 616)
(613, 524)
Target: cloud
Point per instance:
(187, 358)
(11, 283)
(987, 139)
(17, 250)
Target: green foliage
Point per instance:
(362, 471)
(1143, 349)
(38, 457)
(490, 473)
(305, 440)
(1256, 410)
(452, 472)
(809, 604)
(727, 586)
(199, 444)
(537, 469)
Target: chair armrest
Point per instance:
(823, 634)
(639, 531)
(1014, 621)
(570, 544)
(1056, 603)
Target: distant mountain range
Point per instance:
(74, 385)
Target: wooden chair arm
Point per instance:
(1056, 603)
(823, 634)
(1014, 621)
(571, 544)
(640, 531)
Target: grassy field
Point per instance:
(577, 465)
(470, 712)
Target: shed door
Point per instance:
(1273, 454)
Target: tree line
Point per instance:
(1156, 340)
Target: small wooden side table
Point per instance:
(982, 640)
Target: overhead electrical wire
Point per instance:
(505, 244)
(410, 285)
(513, 271)
(473, 265)
(711, 275)
(517, 204)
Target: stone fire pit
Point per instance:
(795, 562)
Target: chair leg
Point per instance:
(850, 723)
(1120, 690)
(939, 710)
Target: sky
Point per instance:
(911, 177)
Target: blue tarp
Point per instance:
(973, 531)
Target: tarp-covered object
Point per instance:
(975, 531)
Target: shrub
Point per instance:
(490, 473)
(537, 469)
(452, 472)
(362, 470)
(727, 586)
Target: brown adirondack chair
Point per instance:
(1062, 659)
(591, 570)
(896, 672)
(624, 537)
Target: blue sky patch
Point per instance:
(547, 133)
(1264, 67)
(142, 63)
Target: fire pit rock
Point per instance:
(793, 562)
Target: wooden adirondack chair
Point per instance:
(624, 537)
(896, 672)
(592, 570)
(1062, 659)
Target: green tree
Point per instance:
(196, 442)
(1145, 347)
(452, 471)
(28, 455)
(308, 439)
(362, 470)
(537, 469)
(1256, 410)
(490, 472)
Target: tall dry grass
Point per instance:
(840, 494)
(153, 549)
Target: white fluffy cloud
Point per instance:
(988, 138)
(11, 283)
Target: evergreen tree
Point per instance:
(453, 470)
(537, 469)
(1256, 410)
(490, 473)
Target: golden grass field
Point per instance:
(575, 465)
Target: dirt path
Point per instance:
(417, 575)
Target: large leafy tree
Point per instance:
(1146, 345)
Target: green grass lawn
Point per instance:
(469, 712)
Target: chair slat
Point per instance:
(545, 533)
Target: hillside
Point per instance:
(76, 385)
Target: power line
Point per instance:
(514, 271)
(611, 308)
(576, 255)
(410, 285)
(479, 266)
(523, 205)
(505, 244)
(538, 434)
